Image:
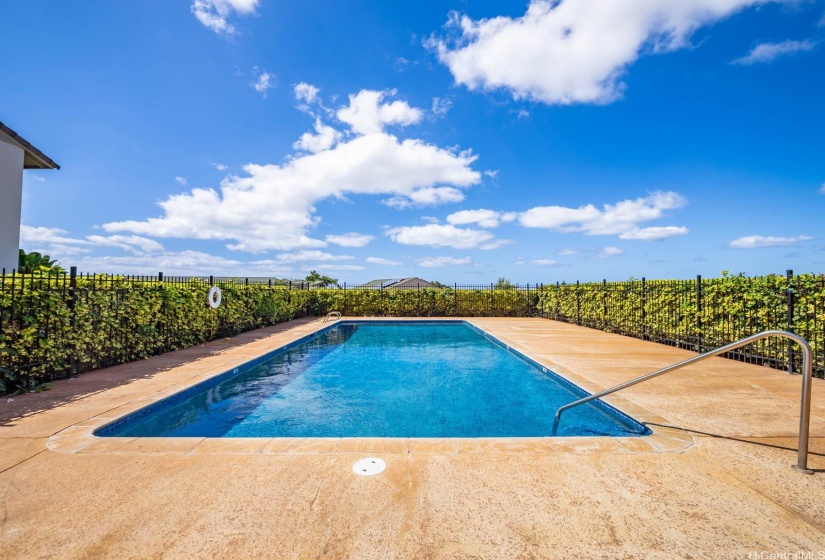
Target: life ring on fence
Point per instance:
(214, 297)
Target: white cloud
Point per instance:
(437, 235)
(272, 207)
(441, 106)
(173, 263)
(822, 189)
(38, 178)
(350, 239)
(544, 262)
(654, 233)
(306, 92)
(768, 52)
(56, 240)
(435, 262)
(306, 256)
(522, 114)
(571, 51)
(387, 262)
(344, 267)
(567, 252)
(608, 252)
(482, 218)
(180, 180)
(539, 262)
(324, 138)
(263, 83)
(214, 13)
(367, 114)
(220, 166)
(47, 235)
(130, 243)
(759, 241)
(620, 218)
(428, 196)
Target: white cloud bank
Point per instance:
(759, 241)
(572, 51)
(58, 241)
(386, 262)
(768, 52)
(445, 235)
(538, 262)
(214, 14)
(272, 207)
(350, 239)
(436, 262)
(482, 218)
(622, 218)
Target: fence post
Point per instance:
(72, 316)
(644, 312)
(211, 280)
(541, 309)
(558, 299)
(699, 313)
(455, 298)
(604, 303)
(160, 277)
(789, 276)
(578, 304)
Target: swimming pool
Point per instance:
(380, 379)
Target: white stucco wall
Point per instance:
(11, 192)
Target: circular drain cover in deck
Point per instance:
(369, 466)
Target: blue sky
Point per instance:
(457, 141)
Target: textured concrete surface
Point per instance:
(717, 482)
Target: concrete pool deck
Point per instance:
(714, 480)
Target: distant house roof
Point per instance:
(32, 158)
(381, 283)
(398, 283)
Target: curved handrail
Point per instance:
(329, 316)
(807, 374)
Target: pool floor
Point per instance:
(412, 379)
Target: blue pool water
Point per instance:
(381, 379)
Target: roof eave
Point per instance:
(32, 158)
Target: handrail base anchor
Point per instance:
(800, 469)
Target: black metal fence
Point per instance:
(701, 314)
(52, 326)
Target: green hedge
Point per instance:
(701, 315)
(49, 330)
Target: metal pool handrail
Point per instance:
(807, 374)
(330, 315)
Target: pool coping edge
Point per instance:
(666, 436)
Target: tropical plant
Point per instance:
(320, 280)
(28, 263)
